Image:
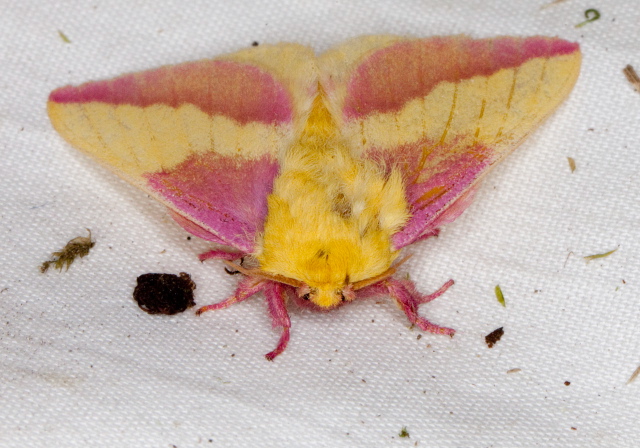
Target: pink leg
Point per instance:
(247, 287)
(408, 298)
(275, 293)
(220, 255)
(434, 295)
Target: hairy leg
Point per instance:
(405, 294)
(246, 288)
(275, 293)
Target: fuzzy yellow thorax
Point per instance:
(330, 216)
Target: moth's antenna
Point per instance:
(261, 274)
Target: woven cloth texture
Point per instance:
(81, 365)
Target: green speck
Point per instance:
(500, 296)
(404, 433)
(64, 37)
(595, 256)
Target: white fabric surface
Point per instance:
(81, 365)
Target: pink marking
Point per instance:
(449, 214)
(433, 201)
(220, 255)
(428, 234)
(455, 175)
(243, 92)
(196, 230)
(392, 76)
(224, 196)
(454, 210)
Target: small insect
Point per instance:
(319, 170)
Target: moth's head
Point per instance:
(326, 296)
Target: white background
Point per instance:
(81, 365)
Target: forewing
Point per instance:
(203, 137)
(443, 110)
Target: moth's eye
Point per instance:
(306, 296)
(342, 296)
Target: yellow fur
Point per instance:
(330, 216)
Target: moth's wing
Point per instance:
(443, 110)
(202, 137)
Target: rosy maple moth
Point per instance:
(319, 170)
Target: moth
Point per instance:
(319, 170)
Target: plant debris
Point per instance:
(164, 293)
(500, 296)
(595, 256)
(634, 375)
(572, 163)
(77, 247)
(492, 338)
(554, 2)
(591, 15)
(64, 37)
(632, 77)
(404, 433)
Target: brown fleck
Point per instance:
(492, 338)
(342, 206)
(632, 77)
(634, 375)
